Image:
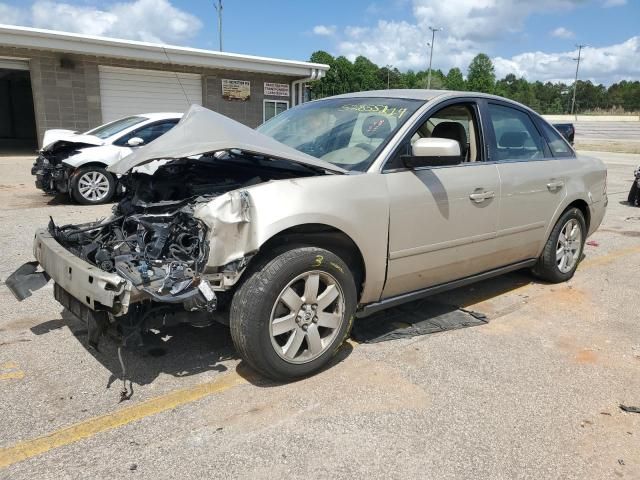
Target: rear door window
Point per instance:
(516, 136)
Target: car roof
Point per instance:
(424, 95)
(159, 115)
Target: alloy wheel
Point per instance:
(93, 186)
(306, 317)
(569, 245)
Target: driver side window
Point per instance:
(456, 122)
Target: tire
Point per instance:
(550, 266)
(102, 191)
(634, 196)
(307, 341)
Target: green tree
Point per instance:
(365, 74)
(454, 80)
(481, 76)
(326, 85)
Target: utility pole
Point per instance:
(575, 83)
(219, 10)
(388, 77)
(433, 39)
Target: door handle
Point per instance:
(480, 197)
(555, 185)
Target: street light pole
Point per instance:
(388, 76)
(218, 8)
(433, 39)
(575, 83)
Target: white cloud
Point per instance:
(600, 65)
(146, 20)
(469, 26)
(474, 26)
(614, 3)
(562, 32)
(324, 30)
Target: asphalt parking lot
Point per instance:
(534, 393)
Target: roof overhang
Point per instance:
(36, 38)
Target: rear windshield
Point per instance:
(117, 126)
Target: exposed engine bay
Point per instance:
(153, 239)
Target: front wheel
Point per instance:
(289, 318)
(92, 186)
(563, 250)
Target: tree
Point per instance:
(481, 74)
(324, 86)
(366, 74)
(454, 80)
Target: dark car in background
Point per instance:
(567, 130)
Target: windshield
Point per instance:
(105, 131)
(347, 132)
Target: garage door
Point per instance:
(128, 91)
(14, 64)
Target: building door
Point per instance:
(130, 91)
(17, 120)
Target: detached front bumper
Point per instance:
(95, 288)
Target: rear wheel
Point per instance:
(290, 317)
(92, 186)
(563, 250)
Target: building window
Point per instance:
(273, 108)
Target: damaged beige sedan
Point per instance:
(334, 209)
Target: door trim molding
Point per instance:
(371, 308)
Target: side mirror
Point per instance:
(135, 142)
(433, 152)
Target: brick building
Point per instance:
(52, 79)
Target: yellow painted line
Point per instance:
(10, 371)
(17, 375)
(610, 257)
(74, 433)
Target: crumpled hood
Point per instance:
(202, 131)
(52, 136)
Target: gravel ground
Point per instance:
(532, 394)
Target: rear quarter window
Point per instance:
(557, 144)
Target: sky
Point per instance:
(535, 39)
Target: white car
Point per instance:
(76, 163)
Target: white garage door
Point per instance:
(128, 91)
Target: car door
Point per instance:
(532, 180)
(443, 220)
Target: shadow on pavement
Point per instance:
(179, 351)
(184, 350)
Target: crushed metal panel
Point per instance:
(229, 220)
(202, 131)
(81, 279)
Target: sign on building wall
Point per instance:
(236, 90)
(276, 89)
